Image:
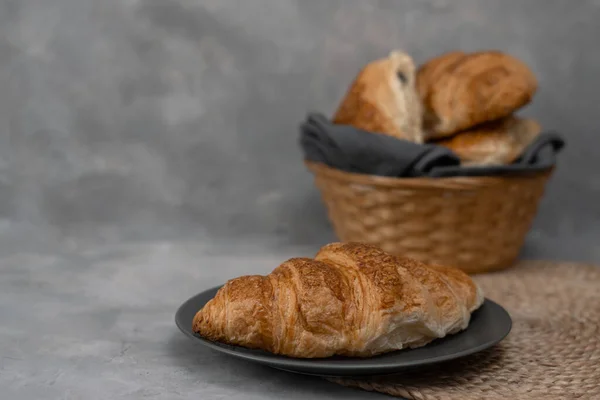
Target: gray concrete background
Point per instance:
(148, 150)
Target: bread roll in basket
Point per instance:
(476, 223)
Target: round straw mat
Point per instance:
(552, 352)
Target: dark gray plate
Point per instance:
(489, 325)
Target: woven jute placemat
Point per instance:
(552, 352)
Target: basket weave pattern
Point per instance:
(477, 224)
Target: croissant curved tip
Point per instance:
(199, 322)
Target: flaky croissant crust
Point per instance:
(352, 299)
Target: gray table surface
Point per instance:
(96, 321)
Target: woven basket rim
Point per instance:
(448, 183)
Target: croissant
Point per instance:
(351, 299)
(383, 99)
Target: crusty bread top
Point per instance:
(460, 90)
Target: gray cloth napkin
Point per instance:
(353, 150)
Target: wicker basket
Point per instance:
(477, 224)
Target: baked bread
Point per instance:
(435, 69)
(494, 143)
(383, 99)
(351, 299)
(459, 90)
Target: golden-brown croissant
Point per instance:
(383, 99)
(352, 299)
(459, 90)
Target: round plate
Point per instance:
(489, 325)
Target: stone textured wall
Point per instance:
(153, 118)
